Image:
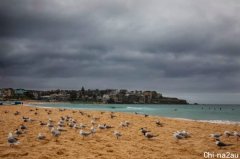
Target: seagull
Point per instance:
(146, 115)
(124, 123)
(183, 133)
(237, 134)
(220, 144)
(55, 133)
(108, 126)
(117, 134)
(177, 136)
(228, 133)
(71, 124)
(215, 135)
(41, 136)
(158, 123)
(23, 127)
(144, 131)
(81, 112)
(30, 120)
(93, 122)
(61, 123)
(42, 123)
(149, 135)
(112, 116)
(93, 130)
(12, 140)
(84, 133)
(59, 128)
(82, 126)
(75, 126)
(17, 113)
(101, 126)
(50, 120)
(50, 125)
(18, 132)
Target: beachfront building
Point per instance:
(7, 93)
(105, 98)
(19, 92)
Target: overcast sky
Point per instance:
(184, 48)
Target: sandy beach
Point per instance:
(103, 144)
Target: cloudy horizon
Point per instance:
(188, 49)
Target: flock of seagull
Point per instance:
(227, 134)
(68, 121)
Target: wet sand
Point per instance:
(103, 144)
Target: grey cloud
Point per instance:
(178, 46)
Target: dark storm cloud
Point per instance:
(178, 46)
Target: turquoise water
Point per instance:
(195, 112)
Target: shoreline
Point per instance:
(103, 144)
(177, 118)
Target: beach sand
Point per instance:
(103, 144)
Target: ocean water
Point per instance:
(214, 113)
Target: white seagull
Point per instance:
(41, 136)
(12, 140)
(93, 130)
(237, 134)
(124, 123)
(228, 133)
(56, 133)
(117, 134)
(220, 144)
(84, 133)
(177, 136)
(216, 136)
(149, 135)
(100, 126)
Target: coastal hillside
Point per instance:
(112, 96)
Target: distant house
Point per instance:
(7, 92)
(105, 98)
(19, 91)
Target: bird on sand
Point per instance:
(228, 133)
(149, 135)
(108, 126)
(41, 136)
(215, 136)
(59, 128)
(84, 133)
(177, 136)
(158, 123)
(42, 123)
(124, 123)
(93, 130)
(12, 140)
(56, 133)
(144, 131)
(23, 127)
(117, 134)
(237, 134)
(100, 126)
(18, 132)
(220, 144)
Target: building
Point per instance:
(7, 93)
(19, 92)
